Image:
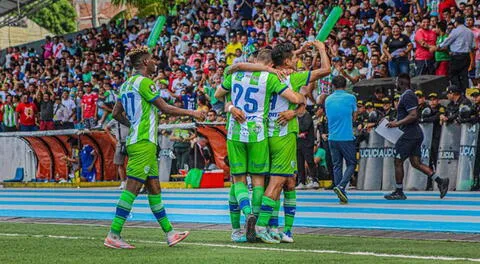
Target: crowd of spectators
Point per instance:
(72, 83)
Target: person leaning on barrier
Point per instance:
(373, 117)
(377, 99)
(431, 114)
(360, 122)
(422, 104)
(476, 119)
(457, 101)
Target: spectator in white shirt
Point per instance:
(70, 108)
(59, 113)
(58, 46)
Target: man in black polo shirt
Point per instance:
(409, 144)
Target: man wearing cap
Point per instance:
(359, 123)
(457, 99)
(232, 46)
(389, 113)
(435, 109)
(396, 98)
(421, 101)
(373, 116)
(409, 144)
(476, 119)
(461, 43)
(377, 99)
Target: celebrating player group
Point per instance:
(261, 140)
(262, 130)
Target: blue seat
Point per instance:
(19, 174)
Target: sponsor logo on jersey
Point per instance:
(146, 169)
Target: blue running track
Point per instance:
(422, 211)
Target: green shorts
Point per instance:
(142, 161)
(283, 155)
(248, 158)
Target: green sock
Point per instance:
(257, 199)
(289, 206)
(266, 211)
(155, 201)
(124, 206)
(274, 219)
(241, 193)
(234, 209)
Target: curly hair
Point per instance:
(281, 52)
(136, 55)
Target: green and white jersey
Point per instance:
(109, 96)
(251, 92)
(136, 96)
(9, 119)
(278, 104)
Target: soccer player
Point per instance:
(409, 144)
(282, 137)
(137, 108)
(247, 143)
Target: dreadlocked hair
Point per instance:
(136, 55)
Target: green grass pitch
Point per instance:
(44, 243)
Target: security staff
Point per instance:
(373, 116)
(457, 99)
(431, 114)
(359, 123)
(476, 119)
(322, 130)
(422, 104)
(376, 99)
(389, 112)
(396, 100)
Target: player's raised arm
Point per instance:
(325, 67)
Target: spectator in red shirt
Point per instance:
(445, 4)
(89, 107)
(27, 111)
(425, 40)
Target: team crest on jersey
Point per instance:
(153, 88)
(146, 169)
(293, 164)
(257, 129)
(239, 76)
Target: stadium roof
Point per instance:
(7, 6)
(12, 11)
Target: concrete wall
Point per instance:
(15, 36)
(15, 153)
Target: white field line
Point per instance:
(318, 251)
